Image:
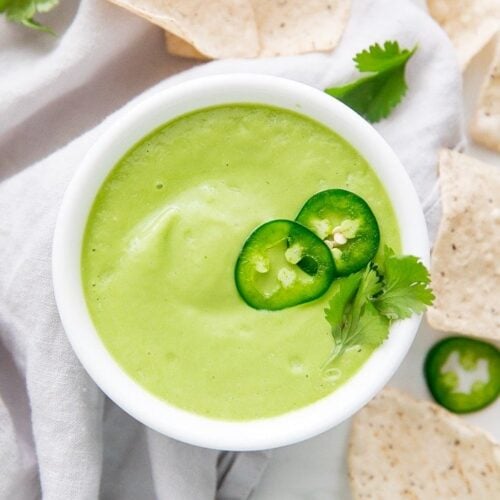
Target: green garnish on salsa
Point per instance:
(283, 264)
(345, 222)
(365, 304)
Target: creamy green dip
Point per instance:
(162, 240)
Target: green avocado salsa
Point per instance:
(162, 241)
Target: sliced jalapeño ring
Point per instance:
(463, 374)
(346, 224)
(283, 264)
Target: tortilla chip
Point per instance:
(216, 29)
(485, 126)
(401, 448)
(465, 262)
(295, 26)
(220, 29)
(179, 47)
(470, 24)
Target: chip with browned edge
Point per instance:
(465, 262)
(401, 448)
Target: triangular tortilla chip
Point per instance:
(470, 24)
(465, 262)
(216, 28)
(485, 126)
(298, 26)
(401, 448)
(179, 47)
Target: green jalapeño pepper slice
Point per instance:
(283, 264)
(463, 374)
(345, 222)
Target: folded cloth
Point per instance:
(60, 438)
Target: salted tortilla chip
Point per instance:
(470, 24)
(298, 26)
(216, 28)
(179, 47)
(485, 126)
(465, 262)
(401, 448)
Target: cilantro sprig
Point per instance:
(405, 287)
(375, 96)
(23, 12)
(365, 304)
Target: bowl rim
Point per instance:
(126, 130)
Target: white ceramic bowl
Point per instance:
(158, 414)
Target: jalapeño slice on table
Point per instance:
(346, 224)
(463, 374)
(283, 264)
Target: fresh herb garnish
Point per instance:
(405, 286)
(375, 96)
(352, 317)
(23, 12)
(366, 303)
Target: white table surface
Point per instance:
(316, 469)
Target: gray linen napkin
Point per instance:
(60, 438)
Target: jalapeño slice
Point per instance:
(463, 374)
(283, 264)
(346, 224)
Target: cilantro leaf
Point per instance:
(345, 290)
(379, 59)
(373, 328)
(46, 5)
(376, 95)
(371, 283)
(23, 12)
(373, 97)
(353, 319)
(364, 304)
(406, 289)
